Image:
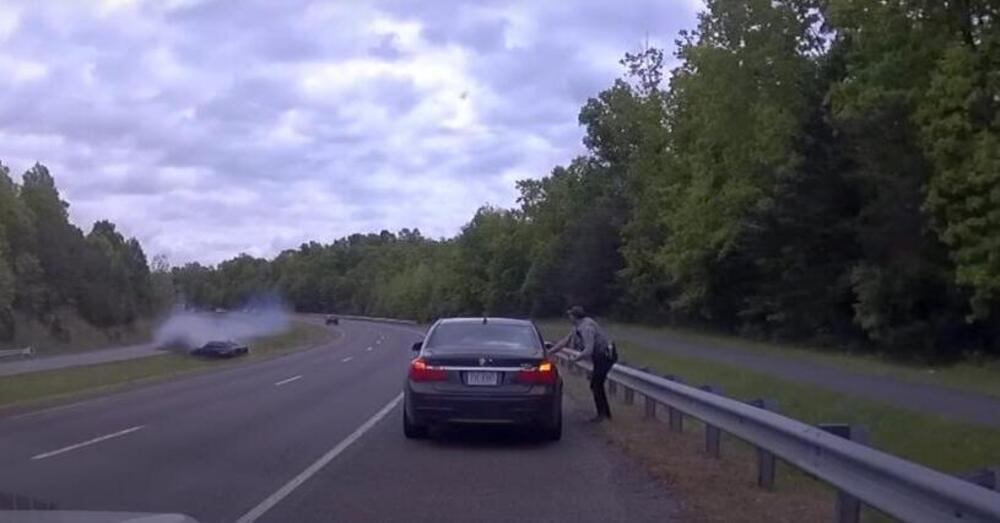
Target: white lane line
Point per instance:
(88, 442)
(311, 470)
(347, 359)
(287, 381)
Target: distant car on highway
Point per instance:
(489, 371)
(332, 320)
(221, 349)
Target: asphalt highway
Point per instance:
(312, 436)
(141, 350)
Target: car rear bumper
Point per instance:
(426, 409)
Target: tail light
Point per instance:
(544, 374)
(421, 371)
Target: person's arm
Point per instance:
(560, 345)
(587, 333)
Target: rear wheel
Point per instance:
(552, 431)
(412, 430)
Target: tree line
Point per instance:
(825, 171)
(49, 268)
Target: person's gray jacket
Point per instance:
(588, 336)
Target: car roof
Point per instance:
(489, 319)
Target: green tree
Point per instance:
(736, 107)
(58, 245)
(116, 286)
(6, 293)
(163, 292)
(904, 283)
(960, 124)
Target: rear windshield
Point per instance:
(512, 338)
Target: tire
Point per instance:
(412, 430)
(553, 430)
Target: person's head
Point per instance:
(576, 313)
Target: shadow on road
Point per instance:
(488, 437)
(10, 501)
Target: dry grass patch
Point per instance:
(706, 489)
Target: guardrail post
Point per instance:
(713, 436)
(612, 388)
(650, 409)
(629, 395)
(675, 418)
(765, 459)
(988, 477)
(848, 508)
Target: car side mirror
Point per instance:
(416, 346)
(548, 345)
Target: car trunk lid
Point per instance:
(469, 371)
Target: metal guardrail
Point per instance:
(900, 488)
(26, 352)
(370, 318)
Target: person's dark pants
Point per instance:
(597, 379)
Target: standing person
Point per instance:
(589, 339)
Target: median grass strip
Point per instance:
(59, 383)
(981, 376)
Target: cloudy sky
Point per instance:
(209, 128)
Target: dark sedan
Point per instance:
(221, 349)
(482, 371)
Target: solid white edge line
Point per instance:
(311, 470)
(88, 442)
(347, 359)
(289, 380)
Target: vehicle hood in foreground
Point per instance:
(88, 516)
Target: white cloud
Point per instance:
(208, 128)
(19, 70)
(10, 19)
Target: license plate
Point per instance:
(481, 378)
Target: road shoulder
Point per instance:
(481, 474)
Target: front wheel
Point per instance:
(412, 430)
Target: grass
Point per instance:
(707, 489)
(934, 441)
(975, 376)
(714, 490)
(78, 335)
(60, 383)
